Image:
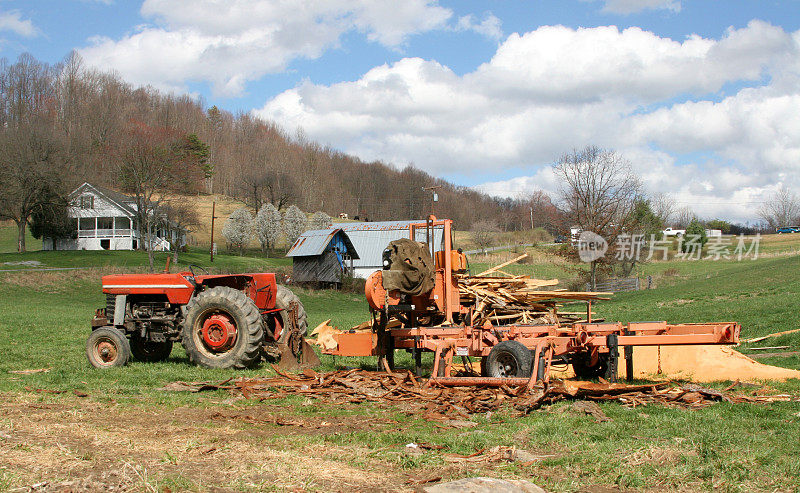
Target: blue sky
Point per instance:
(702, 96)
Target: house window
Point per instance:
(122, 222)
(87, 223)
(87, 202)
(105, 222)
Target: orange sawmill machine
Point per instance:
(417, 306)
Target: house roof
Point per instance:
(125, 202)
(315, 241)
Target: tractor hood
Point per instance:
(178, 288)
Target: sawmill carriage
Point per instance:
(424, 300)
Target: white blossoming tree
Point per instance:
(294, 223)
(268, 226)
(320, 220)
(238, 228)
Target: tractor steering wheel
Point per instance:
(191, 269)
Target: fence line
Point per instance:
(623, 284)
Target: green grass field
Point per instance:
(44, 318)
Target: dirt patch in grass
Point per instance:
(677, 302)
(659, 456)
(146, 449)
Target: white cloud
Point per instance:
(231, 43)
(12, 21)
(490, 26)
(636, 6)
(556, 88)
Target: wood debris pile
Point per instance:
(452, 406)
(502, 298)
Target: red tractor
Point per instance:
(223, 321)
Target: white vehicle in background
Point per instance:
(673, 232)
(713, 233)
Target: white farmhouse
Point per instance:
(104, 220)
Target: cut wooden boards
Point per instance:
(505, 299)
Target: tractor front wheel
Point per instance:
(508, 359)
(223, 329)
(149, 351)
(107, 347)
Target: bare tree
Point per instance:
(32, 166)
(145, 161)
(181, 218)
(483, 233)
(599, 191)
(683, 217)
(663, 206)
(781, 209)
(33, 157)
(260, 186)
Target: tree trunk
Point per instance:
(149, 246)
(175, 252)
(21, 225)
(594, 275)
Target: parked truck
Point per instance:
(673, 232)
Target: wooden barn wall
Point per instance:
(320, 268)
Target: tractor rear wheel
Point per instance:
(107, 347)
(149, 351)
(223, 329)
(509, 359)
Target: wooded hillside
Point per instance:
(91, 121)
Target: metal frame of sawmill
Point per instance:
(548, 342)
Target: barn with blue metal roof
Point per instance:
(369, 239)
(322, 256)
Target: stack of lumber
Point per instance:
(502, 298)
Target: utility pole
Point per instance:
(434, 195)
(213, 216)
(531, 218)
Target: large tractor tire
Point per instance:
(223, 329)
(508, 359)
(284, 300)
(149, 351)
(107, 347)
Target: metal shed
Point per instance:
(370, 239)
(322, 255)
